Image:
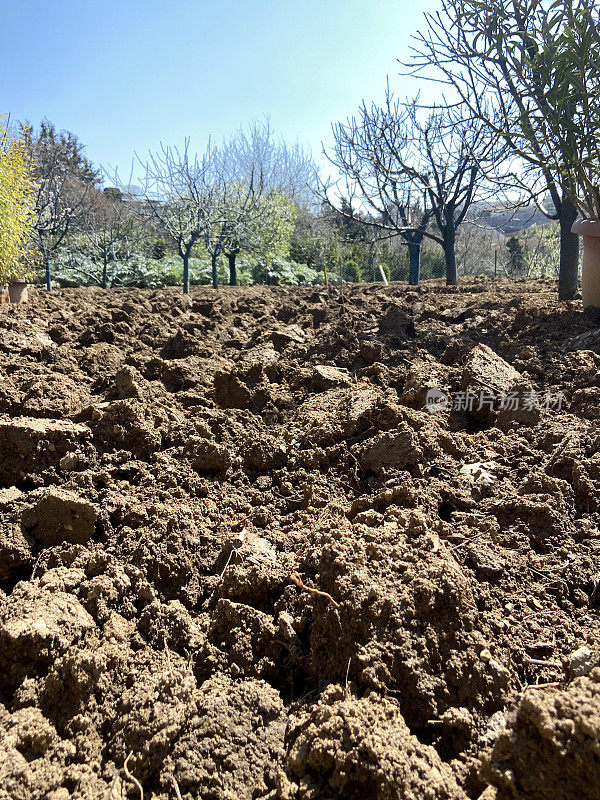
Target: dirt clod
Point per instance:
(29, 446)
(59, 516)
(549, 749)
(362, 750)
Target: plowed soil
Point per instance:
(241, 558)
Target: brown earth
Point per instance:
(240, 557)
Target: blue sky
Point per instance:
(124, 76)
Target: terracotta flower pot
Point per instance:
(590, 270)
(17, 291)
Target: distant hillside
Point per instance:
(511, 221)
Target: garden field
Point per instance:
(300, 543)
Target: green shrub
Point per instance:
(351, 271)
(279, 272)
(72, 267)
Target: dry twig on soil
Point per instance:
(297, 580)
(131, 777)
(176, 787)
(542, 685)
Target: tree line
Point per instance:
(516, 119)
(245, 210)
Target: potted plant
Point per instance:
(18, 291)
(15, 282)
(590, 266)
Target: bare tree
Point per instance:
(200, 200)
(366, 153)
(411, 172)
(235, 190)
(451, 156)
(111, 229)
(478, 247)
(233, 208)
(287, 168)
(174, 194)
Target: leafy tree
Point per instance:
(270, 234)
(16, 204)
(159, 249)
(352, 271)
(72, 159)
(516, 256)
(351, 225)
(315, 239)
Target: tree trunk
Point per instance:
(48, 276)
(414, 271)
(104, 274)
(215, 275)
(232, 269)
(569, 252)
(450, 257)
(186, 273)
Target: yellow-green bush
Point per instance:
(16, 204)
